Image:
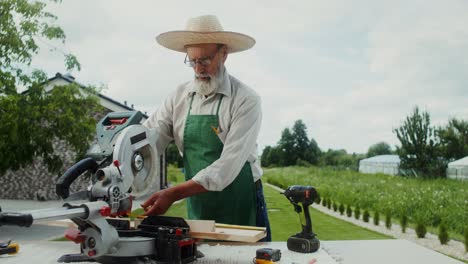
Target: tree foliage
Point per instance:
(419, 150)
(293, 148)
(301, 141)
(22, 23)
(287, 147)
(454, 139)
(31, 122)
(381, 148)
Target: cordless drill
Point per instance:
(305, 241)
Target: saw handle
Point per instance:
(62, 187)
(16, 219)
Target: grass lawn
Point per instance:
(285, 221)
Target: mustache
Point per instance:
(203, 75)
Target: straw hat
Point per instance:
(202, 30)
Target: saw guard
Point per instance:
(138, 140)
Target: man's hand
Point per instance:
(158, 203)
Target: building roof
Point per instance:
(382, 159)
(70, 79)
(459, 163)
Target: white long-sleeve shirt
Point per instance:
(240, 118)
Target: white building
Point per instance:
(387, 164)
(458, 169)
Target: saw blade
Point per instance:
(138, 159)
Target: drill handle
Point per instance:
(307, 228)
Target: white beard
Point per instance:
(208, 87)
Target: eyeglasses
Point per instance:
(202, 61)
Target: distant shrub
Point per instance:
(349, 211)
(365, 216)
(443, 234)
(403, 222)
(388, 220)
(324, 202)
(376, 218)
(357, 212)
(303, 163)
(317, 200)
(329, 203)
(420, 229)
(335, 207)
(341, 209)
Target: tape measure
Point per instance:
(9, 248)
(267, 256)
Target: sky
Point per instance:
(351, 70)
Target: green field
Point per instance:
(285, 221)
(430, 201)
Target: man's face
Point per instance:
(200, 52)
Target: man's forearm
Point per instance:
(186, 189)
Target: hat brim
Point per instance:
(178, 40)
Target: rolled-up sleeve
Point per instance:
(240, 141)
(162, 121)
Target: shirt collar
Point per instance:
(224, 88)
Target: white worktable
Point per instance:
(344, 252)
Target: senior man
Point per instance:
(214, 120)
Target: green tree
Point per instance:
(293, 148)
(454, 139)
(275, 156)
(419, 146)
(301, 141)
(31, 122)
(380, 148)
(265, 156)
(271, 156)
(286, 146)
(314, 152)
(332, 157)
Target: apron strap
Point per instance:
(190, 107)
(219, 104)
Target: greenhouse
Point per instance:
(387, 164)
(458, 169)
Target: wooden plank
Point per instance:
(230, 234)
(216, 231)
(241, 227)
(201, 225)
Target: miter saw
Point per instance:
(125, 164)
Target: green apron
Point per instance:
(236, 204)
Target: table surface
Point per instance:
(392, 251)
